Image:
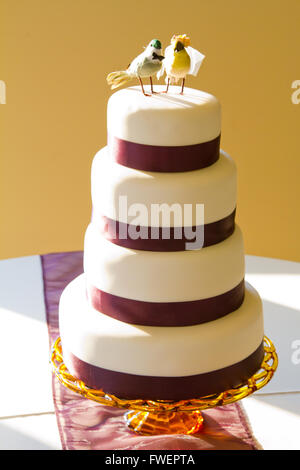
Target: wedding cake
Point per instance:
(162, 310)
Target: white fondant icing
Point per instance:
(164, 119)
(214, 186)
(158, 351)
(163, 276)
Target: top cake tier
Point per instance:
(164, 132)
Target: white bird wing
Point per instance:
(167, 54)
(161, 71)
(135, 64)
(196, 60)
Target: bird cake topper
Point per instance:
(180, 60)
(145, 65)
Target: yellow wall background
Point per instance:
(54, 57)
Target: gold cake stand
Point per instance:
(151, 417)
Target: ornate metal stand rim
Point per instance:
(256, 382)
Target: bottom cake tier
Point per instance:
(152, 362)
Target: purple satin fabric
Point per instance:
(86, 425)
(213, 233)
(164, 158)
(186, 313)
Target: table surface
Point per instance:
(27, 418)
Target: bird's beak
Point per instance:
(160, 57)
(179, 46)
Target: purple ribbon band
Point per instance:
(164, 158)
(185, 313)
(119, 233)
(165, 388)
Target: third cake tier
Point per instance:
(164, 288)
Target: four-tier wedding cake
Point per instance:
(162, 310)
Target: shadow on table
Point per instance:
(22, 287)
(12, 439)
(282, 326)
(261, 265)
(286, 401)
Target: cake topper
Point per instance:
(180, 60)
(145, 65)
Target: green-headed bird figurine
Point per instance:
(145, 65)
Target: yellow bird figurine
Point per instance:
(180, 60)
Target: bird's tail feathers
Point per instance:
(116, 79)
